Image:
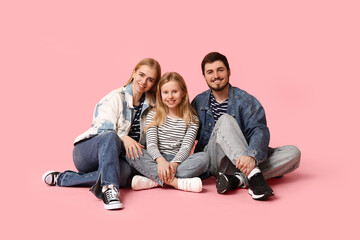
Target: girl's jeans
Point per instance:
(193, 166)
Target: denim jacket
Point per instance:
(249, 114)
(115, 112)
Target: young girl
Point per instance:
(170, 134)
(117, 127)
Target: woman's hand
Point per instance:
(132, 147)
(164, 170)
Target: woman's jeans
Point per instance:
(227, 143)
(193, 166)
(100, 162)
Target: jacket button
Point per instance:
(210, 124)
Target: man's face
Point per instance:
(216, 75)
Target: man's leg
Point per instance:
(226, 144)
(281, 160)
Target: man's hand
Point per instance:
(245, 164)
(132, 147)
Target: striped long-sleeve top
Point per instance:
(173, 137)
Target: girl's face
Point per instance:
(172, 94)
(144, 79)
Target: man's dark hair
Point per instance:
(212, 57)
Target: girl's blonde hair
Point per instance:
(153, 64)
(184, 109)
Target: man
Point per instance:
(234, 133)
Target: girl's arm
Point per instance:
(152, 137)
(187, 143)
(164, 170)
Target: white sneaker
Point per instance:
(140, 183)
(190, 184)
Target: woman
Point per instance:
(117, 128)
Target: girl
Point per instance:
(171, 131)
(117, 127)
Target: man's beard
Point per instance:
(219, 88)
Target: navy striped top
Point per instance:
(135, 126)
(218, 109)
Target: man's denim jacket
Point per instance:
(249, 114)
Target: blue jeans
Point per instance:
(227, 143)
(100, 161)
(193, 166)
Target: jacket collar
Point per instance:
(149, 98)
(231, 99)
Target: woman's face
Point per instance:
(144, 79)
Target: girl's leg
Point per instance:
(146, 166)
(195, 165)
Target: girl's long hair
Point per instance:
(153, 64)
(184, 109)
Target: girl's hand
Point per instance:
(173, 168)
(132, 147)
(164, 170)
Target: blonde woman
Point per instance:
(117, 131)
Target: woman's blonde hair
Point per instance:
(184, 109)
(153, 64)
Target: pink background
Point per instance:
(299, 58)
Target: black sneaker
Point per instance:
(258, 187)
(111, 198)
(225, 183)
(50, 177)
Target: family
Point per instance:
(142, 135)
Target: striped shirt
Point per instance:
(135, 126)
(218, 109)
(172, 137)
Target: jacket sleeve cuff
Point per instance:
(254, 154)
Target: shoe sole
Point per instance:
(44, 176)
(262, 196)
(222, 183)
(113, 206)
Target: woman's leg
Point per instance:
(97, 159)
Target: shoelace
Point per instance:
(111, 194)
(56, 178)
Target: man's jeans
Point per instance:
(193, 166)
(227, 143)
(97, 160)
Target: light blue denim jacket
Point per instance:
(249, 114)
(115, 112)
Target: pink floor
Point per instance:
(299, 58)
